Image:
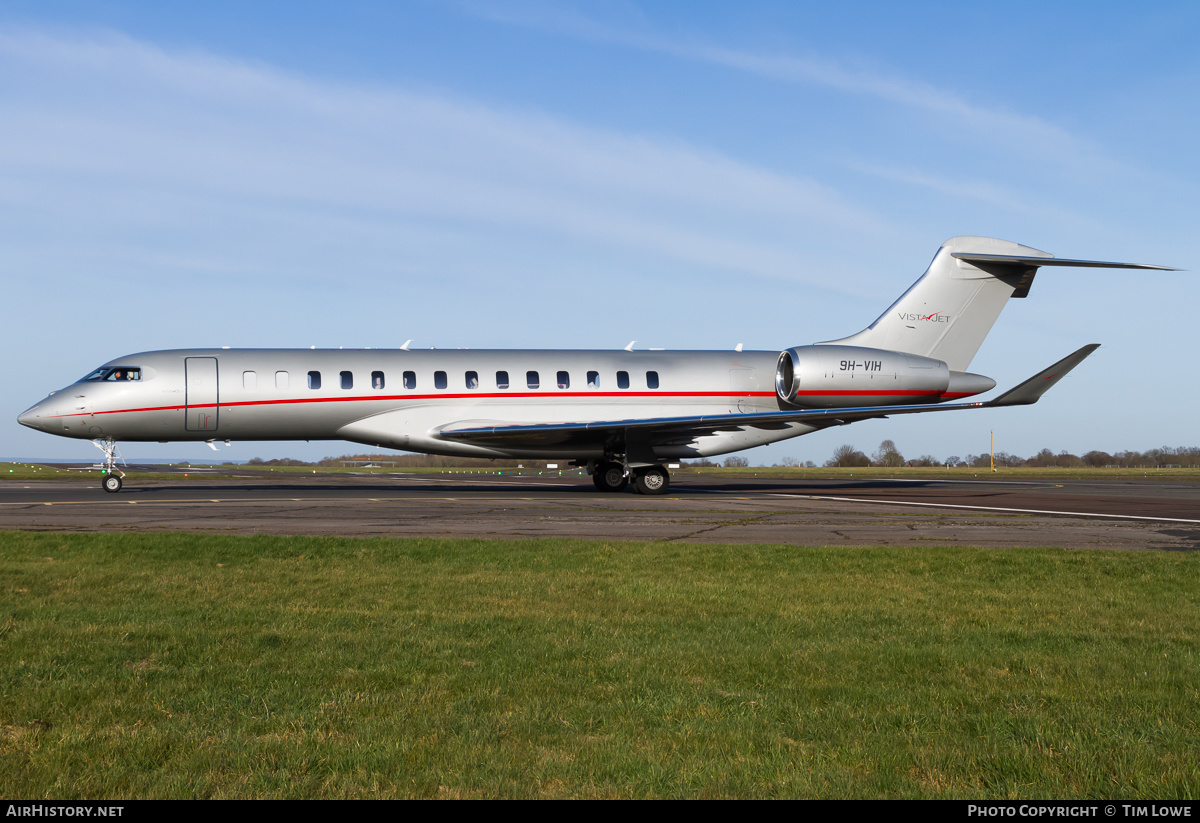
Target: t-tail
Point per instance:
(949, 311)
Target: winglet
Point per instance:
(1032, 389)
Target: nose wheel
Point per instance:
(112, 483)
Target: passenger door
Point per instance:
(200, 374)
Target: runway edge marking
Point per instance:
(986, 508)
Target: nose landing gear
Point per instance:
(111, 482)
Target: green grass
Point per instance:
(35, 471)
(187, 666)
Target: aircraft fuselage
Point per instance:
(399, 398)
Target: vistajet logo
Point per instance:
(916, 317)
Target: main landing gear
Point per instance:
(111, 482)
(610, 476)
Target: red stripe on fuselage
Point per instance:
(520, 396)
(410, 397)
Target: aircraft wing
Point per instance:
(657, 431)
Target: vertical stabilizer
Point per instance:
(948, 312)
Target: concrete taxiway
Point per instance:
(1076, 514)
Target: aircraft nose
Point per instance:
(33, 418)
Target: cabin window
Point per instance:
(622, 380)
(439, 380)
(314, 380)
(502, 380)
(593, 380)
(347, 380)
(377, 380)
(281, 380)
(410, 380)
(652, 380)
(249, 380)
(564, 380)
(531, 379)
(472, 379)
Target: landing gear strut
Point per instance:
(111, 482)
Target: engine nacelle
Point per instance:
(849, 376)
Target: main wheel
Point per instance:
(652, 480)
(609, 477)
(111, 483)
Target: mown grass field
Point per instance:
(183, 666)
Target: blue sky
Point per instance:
(579, 175)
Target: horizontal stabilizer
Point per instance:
(1033, 388)
(1029, 260)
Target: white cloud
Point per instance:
(988, 193)
(1020, 133)
(134, 134)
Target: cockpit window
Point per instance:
(113, 375)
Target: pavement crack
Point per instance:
(744, 521)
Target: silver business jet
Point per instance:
(620, 414)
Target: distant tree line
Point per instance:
(889, 456)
